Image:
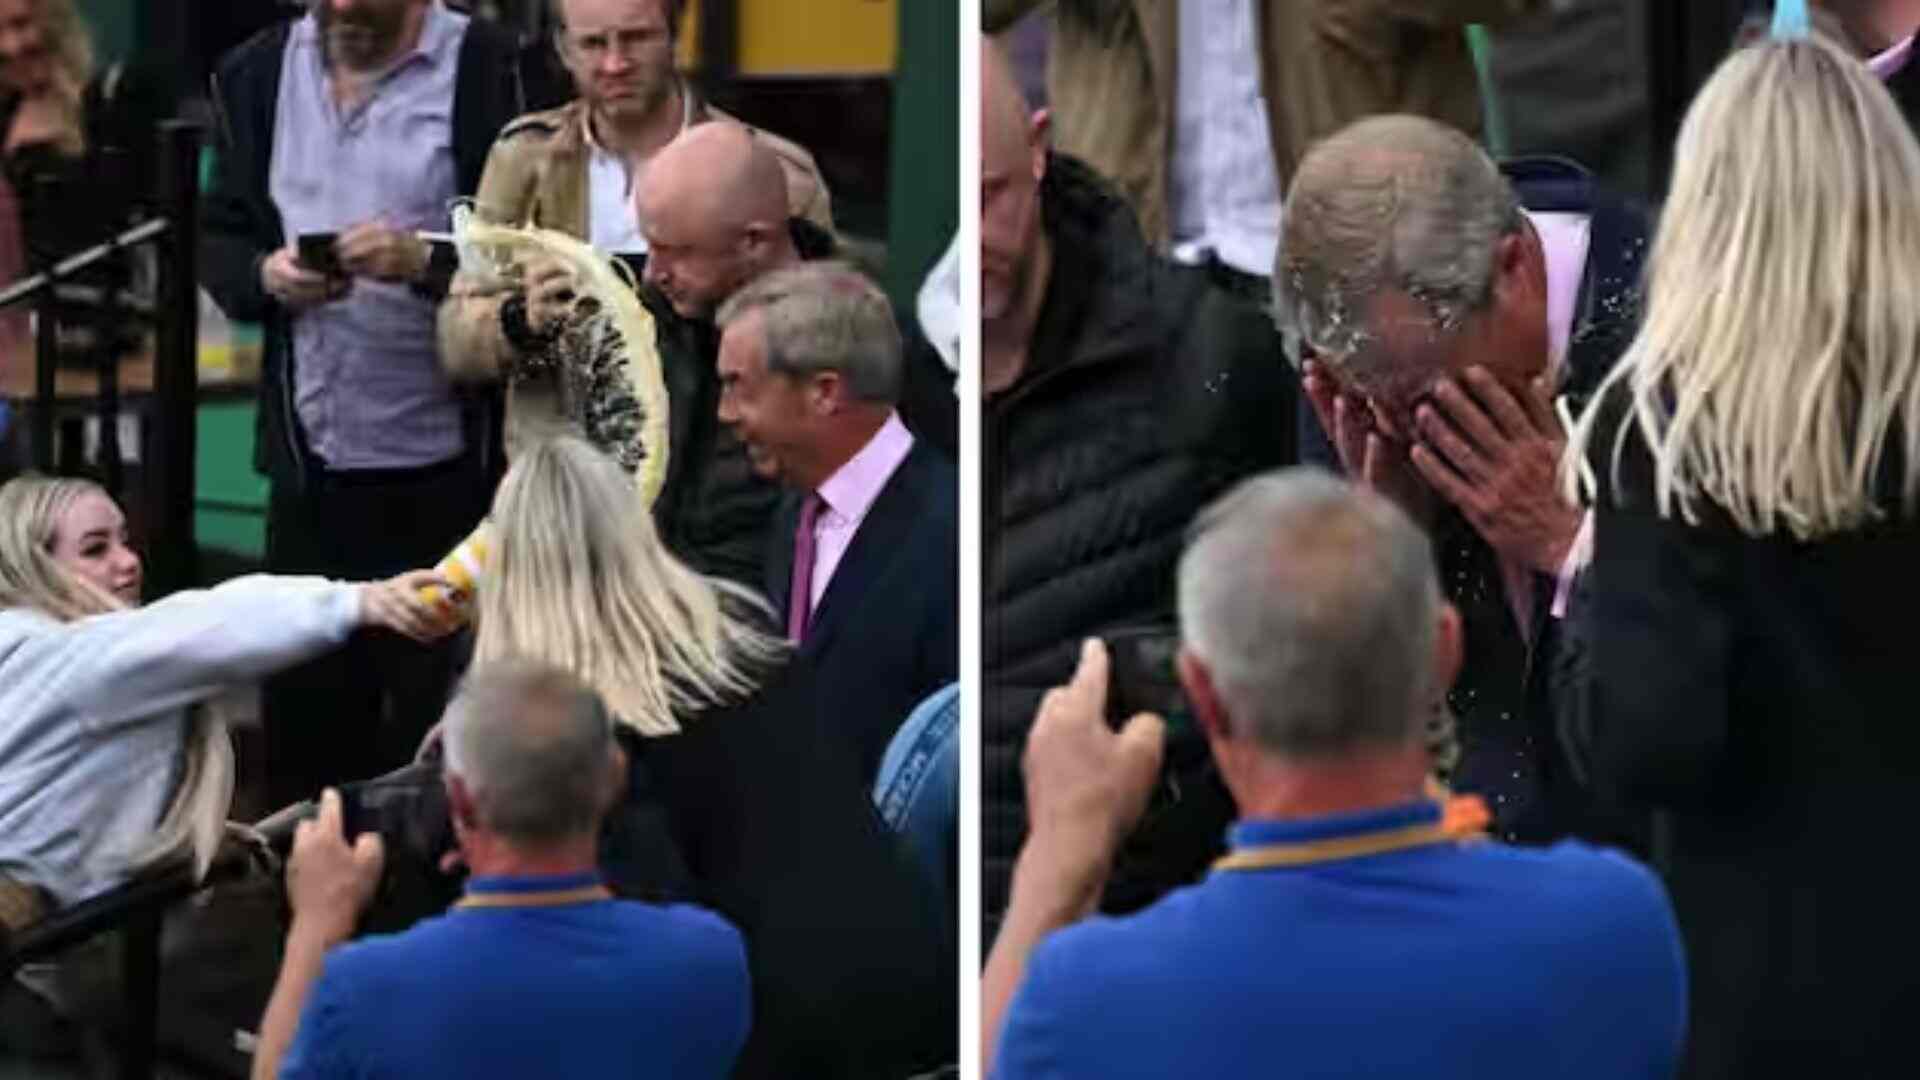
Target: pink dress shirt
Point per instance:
(849, 493)
(1889, 63)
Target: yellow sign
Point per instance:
(806, 37)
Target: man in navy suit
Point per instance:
(1441, 305)
(863, 566)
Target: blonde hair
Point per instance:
(580, 580)
(1781, 344)
(70, 42)
(30, 577)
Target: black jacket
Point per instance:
(241, 225)
(851, 976)
(887, 631)
(1759, 691)
(1509, 698)
(1148, 393)
(714, 511)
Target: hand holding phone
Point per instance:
(320, 253)
(1142, 677)
(285, 276)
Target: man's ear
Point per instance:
(1513, 266)
(1449, 650)
(826, 392)
(1039, 140)
(1197, 681)
(460, 806)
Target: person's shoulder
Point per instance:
(1117, 948)
(482, 38)
(689, 921)
(538, 127)
(258, 53)
(1576, 882)
(695, 936)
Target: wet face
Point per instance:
(90, 539)
(620, 53)
(362, 34)
(769, 411)
(26, 57)
(1408, 345)
(694, 260)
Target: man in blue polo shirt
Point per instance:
(538, 971)
(1356, 928)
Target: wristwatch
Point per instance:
(520, 333)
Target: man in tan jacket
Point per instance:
(578, 169)
(1198, 110)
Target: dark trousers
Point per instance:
(361, 709)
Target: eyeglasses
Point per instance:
(595, 44)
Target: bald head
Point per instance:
(1006, 118)
(713, 207)
(716, 173)
(1013, 162)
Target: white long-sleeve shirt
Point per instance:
(93, 714)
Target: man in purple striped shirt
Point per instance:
(347, 134)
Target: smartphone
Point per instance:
(319, 252)
(1141, 677)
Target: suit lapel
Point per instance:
(887, 528)
(778, 577)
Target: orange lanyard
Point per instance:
(1462, 817)
(550, 898)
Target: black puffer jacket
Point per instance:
(1147, 393)
(714, 510)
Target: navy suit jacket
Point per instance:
(886, 632)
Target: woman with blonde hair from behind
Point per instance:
(109, 762)
(1753, 464)
(766, 811)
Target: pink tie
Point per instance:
(800, 596)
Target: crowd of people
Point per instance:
(1438, 611)
(707, 570)
(1543, 698)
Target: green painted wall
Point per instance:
(923, 209)
(230, 499)
(114, 25)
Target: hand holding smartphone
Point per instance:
(1142, 678)
(320, 253)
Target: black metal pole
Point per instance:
(46, 358)
(172, 555)
(107, 353)
(140, 970)
(719, 40)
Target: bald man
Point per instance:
(1123, 392)
(713, 210)
(717, 205)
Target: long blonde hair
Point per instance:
(579, 579)
(30, 577)
(1781, 347)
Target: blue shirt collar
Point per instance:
(1253, 832)
(530, 883)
